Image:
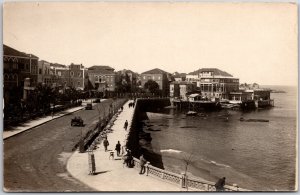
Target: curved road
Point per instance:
(35, 160)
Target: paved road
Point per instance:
(35, 160)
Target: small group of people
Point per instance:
(128, 159)
(131, 104)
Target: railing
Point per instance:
(191, 183)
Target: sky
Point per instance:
(255, 42)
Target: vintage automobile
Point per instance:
(89, 107)
(77, 121)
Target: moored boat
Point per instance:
(191, 113)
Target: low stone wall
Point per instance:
(182, 180)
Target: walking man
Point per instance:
(118, 148)
(105, 144)
(126, 125)
(142, 164)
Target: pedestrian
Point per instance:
(126, 125)
(105, 144)
(128, 158)
(220, 184)
(118, 148)
(142, 164)
(121, 108)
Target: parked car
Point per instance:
(77, 121)
(89, 106)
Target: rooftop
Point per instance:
(13, 52)
(216, 71)
(155, 71)
(101, 67)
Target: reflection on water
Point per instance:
(255, 155)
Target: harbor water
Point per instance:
(259, 156)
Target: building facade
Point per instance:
(102, 78)
(18, 68)
(160, 77)
(44, 71)
(215, 83)
(73, 75)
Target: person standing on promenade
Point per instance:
(118, 148)
(126, 125)
(220, 184)
(105, 144)
(142, 164)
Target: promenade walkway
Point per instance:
(110, 174)
(41, 120)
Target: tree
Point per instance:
(151, 86)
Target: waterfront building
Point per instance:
(18, 68)
(194, 78)
(181, 89)
(162, 78)
(239, 96)
(261, 97)
(214, 83)
(102, 78)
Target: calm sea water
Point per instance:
(255, 155)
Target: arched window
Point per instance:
(72, 74)
(6, 77)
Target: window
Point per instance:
(78, 83)
(71, 73)
(59, 73)
(15, 66)
(153, 77)
(40, 71)
(158, 77)
(79, 74)
(144, 77)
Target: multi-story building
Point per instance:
(18, 67)
(194, 78)
(59, 74)
(44, 71)
(215, 83)
(73, 75)
(160, 77)
(77, 76)
(181, 89)
(102, 78)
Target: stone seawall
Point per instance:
(135, 142)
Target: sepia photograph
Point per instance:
(150, 97)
